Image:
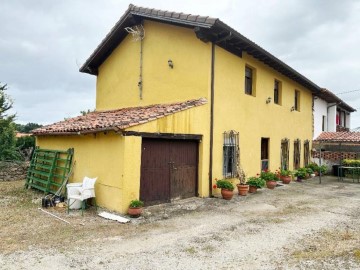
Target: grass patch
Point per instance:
(329, 244)
(190, 250)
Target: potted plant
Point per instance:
(226, 188)
(135, 208)
(254, 183)
(285, 176)
(314, 167)
(301, 174)
(270, 178)
(309, 172)
(242, 187)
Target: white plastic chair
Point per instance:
(86, 191)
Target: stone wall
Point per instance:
(10, 171)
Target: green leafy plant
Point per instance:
(301, 173)
(225, 184)
(136, 204)
(256, 182)
(285, 173)
(323, 169)
(268, 176)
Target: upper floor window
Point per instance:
(277, 92)
(249, 79)
(297, 100)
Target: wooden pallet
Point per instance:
(48, 169)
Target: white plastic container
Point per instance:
(74, 189)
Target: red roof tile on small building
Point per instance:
(115, 120)
(339, 137)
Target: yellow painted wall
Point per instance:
(252, 117)
(107, 157)
(117, 81)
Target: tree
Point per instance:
(8, 150)
(27, 128)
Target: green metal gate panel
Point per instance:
(48, 169)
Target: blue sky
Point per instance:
(43, 43)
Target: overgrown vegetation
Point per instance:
(8, 150)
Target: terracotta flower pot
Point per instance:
(271, 184)
(135, 211)
(227, 194)
(286, 179)
(243, 189)
(252, 189)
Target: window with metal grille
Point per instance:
(306, 153)
(231, 143)
(248, 81)
(285, 145)
(297, 147)
(277, 91)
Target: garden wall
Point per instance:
(11, 171)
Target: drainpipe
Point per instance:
(212, 107)
(211, 116)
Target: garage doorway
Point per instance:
(169, 170)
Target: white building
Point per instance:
(331, 114)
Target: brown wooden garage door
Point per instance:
(168, 170)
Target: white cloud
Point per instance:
(43, 43)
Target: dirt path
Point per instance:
(299, 226)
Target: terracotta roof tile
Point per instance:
(116, 119)
(339, 137)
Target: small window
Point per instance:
(248, 81)
(230, 154)
(323, 123)
(277, 92)
(297, 100)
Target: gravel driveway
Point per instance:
(297, 226)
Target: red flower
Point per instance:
(215, 186)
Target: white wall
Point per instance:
(331, 118)
(347, 124)
(320, 110)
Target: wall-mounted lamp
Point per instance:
(170, 63)
(292, 109)
(268, 100)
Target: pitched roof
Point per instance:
(115, 120)
(330, 97)
(206, 29)
(339, 137)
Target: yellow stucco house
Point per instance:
(177, 96)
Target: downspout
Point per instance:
(211, 116)
(212, 107)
